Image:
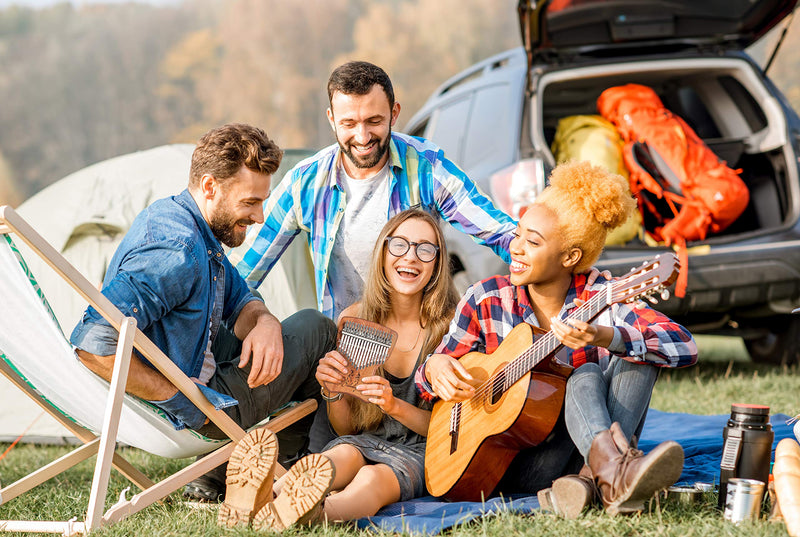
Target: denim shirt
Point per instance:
(166, 274)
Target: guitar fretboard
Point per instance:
(545, 346)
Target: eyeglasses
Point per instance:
(425, 251)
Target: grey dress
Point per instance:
(394, 444)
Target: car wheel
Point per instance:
(780, 346)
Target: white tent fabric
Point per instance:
(85, 215)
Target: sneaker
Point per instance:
(205, 489)
(251, 471)
(300, 502)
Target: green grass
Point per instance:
(722, 376)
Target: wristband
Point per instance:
(328, 398)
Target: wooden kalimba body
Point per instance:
(366, 345)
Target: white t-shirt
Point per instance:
(366, 210)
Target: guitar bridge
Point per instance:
(455, 425)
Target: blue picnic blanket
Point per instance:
(700, 436)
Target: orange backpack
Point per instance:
(684, 191)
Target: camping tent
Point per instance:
(85, 215)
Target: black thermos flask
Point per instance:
(747, 446)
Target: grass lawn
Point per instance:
(723, 375)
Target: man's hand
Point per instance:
(449, 379)
(263, 349)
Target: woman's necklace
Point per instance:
(415, 342)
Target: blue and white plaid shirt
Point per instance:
(310, 199)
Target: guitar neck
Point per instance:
(548, 344)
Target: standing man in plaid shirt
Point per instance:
(616, 358)
(343, 195)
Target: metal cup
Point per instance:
(684, 495)
(743, 500)
(704, 487)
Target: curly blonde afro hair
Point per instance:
(588, 202)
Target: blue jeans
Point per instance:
(594, 399)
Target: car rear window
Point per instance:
(491, 129)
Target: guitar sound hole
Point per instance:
(498, 386)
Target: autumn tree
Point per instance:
(78, 85)
(271, 62)
(421, 43)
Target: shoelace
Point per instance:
(627, 458)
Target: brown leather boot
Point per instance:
(571, 494)
(625, 476)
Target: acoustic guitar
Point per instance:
(518, 396)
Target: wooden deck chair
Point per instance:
(37, 357)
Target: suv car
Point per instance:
(498, 118)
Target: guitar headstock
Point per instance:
(642, 282)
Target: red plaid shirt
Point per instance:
(491, 308)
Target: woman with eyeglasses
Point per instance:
(378, 457)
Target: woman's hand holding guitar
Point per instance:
(578, 334)
(449, 379)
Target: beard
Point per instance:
(371, 160)
(223, 226)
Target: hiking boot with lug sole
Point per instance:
(251, 471)
(300, 501)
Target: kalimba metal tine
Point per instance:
(366, 345)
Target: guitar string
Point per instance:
(489, 385)
(513, 367)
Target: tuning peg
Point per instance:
(652, 299)
(665, 294)
(639, 305)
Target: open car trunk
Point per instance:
(723, 99)
(628, 27)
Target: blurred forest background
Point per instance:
(82, 83)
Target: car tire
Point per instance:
(780, 346)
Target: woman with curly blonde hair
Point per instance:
(378, 457)
(616, 358)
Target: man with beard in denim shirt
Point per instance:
(171, 274)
